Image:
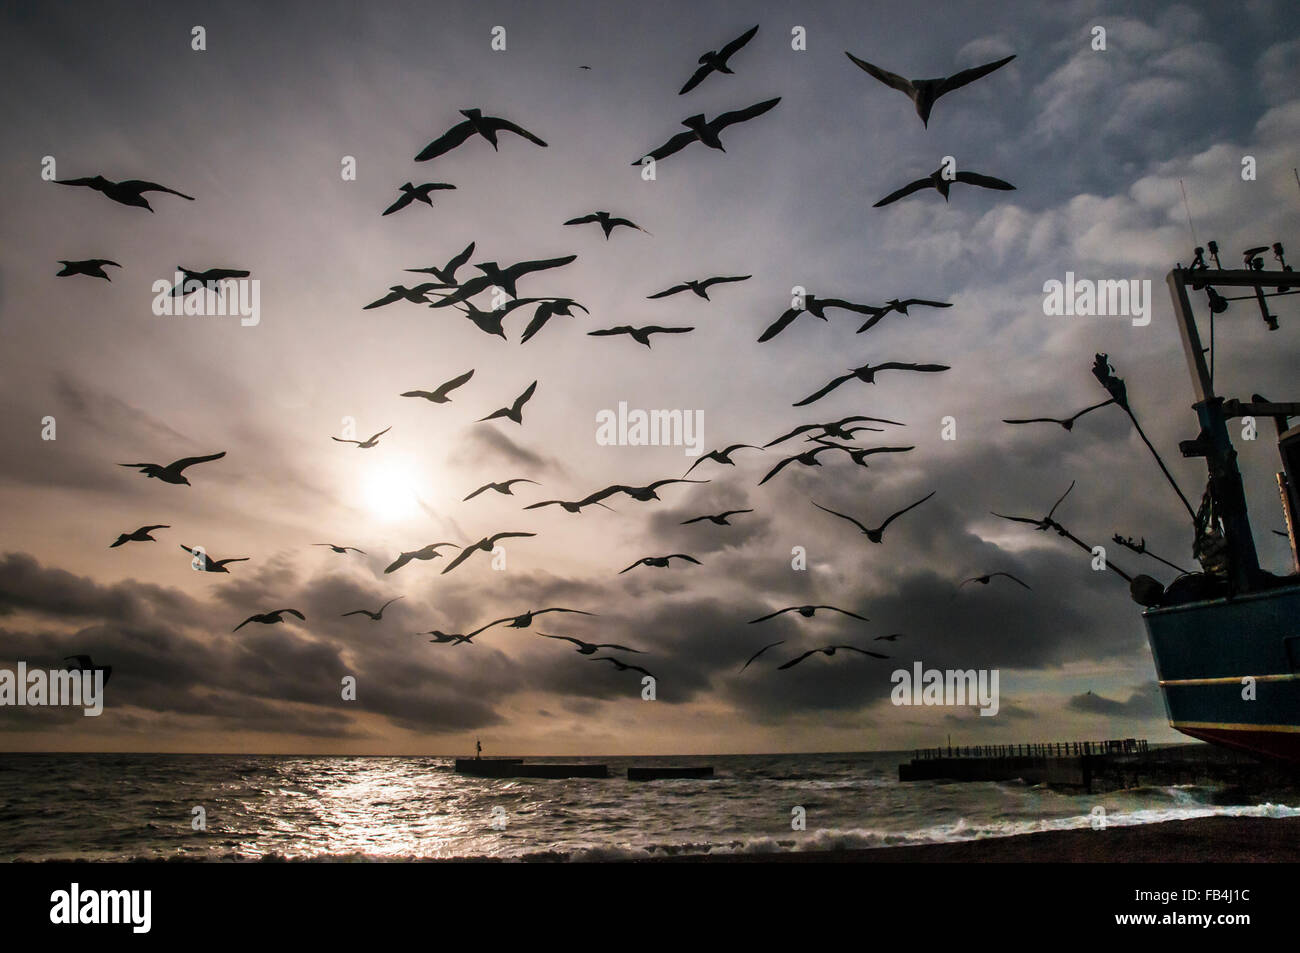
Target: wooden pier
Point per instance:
(517, 768)
(1098, 765)
(667, 772)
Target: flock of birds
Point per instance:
(448, 287)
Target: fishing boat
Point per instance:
(1226, 640)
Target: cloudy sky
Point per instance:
(256, 127)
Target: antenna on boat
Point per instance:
(1102, 370)
(1254, 262)
(1188, 209)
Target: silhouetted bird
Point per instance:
(859, 454)
(621, 666)
(475, 122)
(808, 459)
(486, 545)
(699, 286)
(416, 295)
(415, 193)
(128, 192)
(807, 612)
(718, 520)
(369, 442)
(706, 131)
(640, 335)
(90, 267)
(876, 535)
(172, 472)
(923, 92)
(835, 428)
(572, 506)
(213, 565)
(770, 645)
(877, 314)
(1046, 522)
(814, 306)
(867, 374)
(721, 456)
(424, 553)
(515, 411)
(192, 280)
(341, 550)
(984, 580)
(607, 222)
(590, 648)
(888, 638)
(374, 616)
(1067, 423)
(494, 276)
(447, 274)
(659, 562)
(439, 396)
(86, 664)
(139, 536)
(503, 487)
(525, 619)
(643, 494)
(547, 310)
(828, 651)
(453, 637)
(935, 180)
(715, 61)
(269, 618)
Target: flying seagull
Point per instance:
(441, 637)
(515, 411)
(718, 520)
(86, 664)
(1067, 423)
(876, 535)
(816, 307)
(828, 650)
(640, 335)
(129, 192)
(923, 92)
(500, 487)
(374, 616)
(485, 544)
(808, 459)
(859, 454)
(90, 267)
(700, 129)
(493, 275)
(211, 278)
(172, 472)
(807, 612)
(341, 550)
(659, 562)
(525, 619)
(1046, 522)
(425, 552)
(867, 374)
(834, 428)
(715, 61)
(643, 494)
(573, 506)
(699, 286)
(894, 304)
(415, 193)
(369, 442)
(849, 433)
(439, 396)
(416, 295)
(888, 638)
(269, 618)
(936, 180)
(214, 565)
(606, 221)
(770, 645)
(139, 536)
(589, 648)
(984, 580)
(475, 122)
(548, 309)
(722, 456)
(447, 274)
(621, 666)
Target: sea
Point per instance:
(148, 807)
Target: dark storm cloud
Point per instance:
(1143, 702)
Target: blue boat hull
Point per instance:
(1229, 670)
